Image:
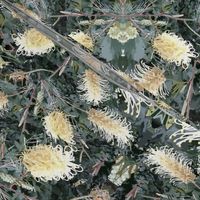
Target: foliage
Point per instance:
(97, 114)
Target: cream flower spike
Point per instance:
(111, 126)
(150, 78)
(170, 164)
(83, 39)
(133, 102)
(47, 163)
(18, 76)
(3, 101)
(32, 42)
(95, 88)
(186, 133)
(97, 194)
(175, 49)
(57, 125)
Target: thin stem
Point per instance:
(197, 186)
(191, 29)
(175, 17)
(71, 104)
(61, 68)
(148, 197)
(39, 70)
(12, 95)
(186, 108)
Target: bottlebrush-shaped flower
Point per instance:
(18, 76)
(95, 88)
(170, 164)
(45, 163)
(3, 101)
(151, 79)
(175, 49)
(133, 101)
(32, 42)
(97, 194)
(83, 39)
(186, 133)
(57, 125)
(111, 126)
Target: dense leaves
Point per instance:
(56, 81)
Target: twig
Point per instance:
(148, 197)
(197, 186)
(39, 70)
(56, 21)
(191, 29)
(186, 105)
(61, 68)
(16, 94)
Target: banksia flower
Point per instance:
(98, 194)
(133, 102)
(45, 163)
(26, 10)
(150, 78)
(111, 126)
(172, 48)
(57, 125)
(96, 89)
(186, 133)
(122, 32)
(170, 164)
(83, 39)
(32, 42)
(18, 76)
(3, 101)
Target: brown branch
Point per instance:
(95, 64)
(186, 106)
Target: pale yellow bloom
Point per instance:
(170, 164)
(45, 163)
(151, 79)
(98, 194)
(186, 133)
(175, 49)
(83, 39)
(122, 32)
(18, 76)
(57, 125)
(111, 126)
(133, 102)
(3, 101)
(32, 42)
(26, 10)
(95, 88)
